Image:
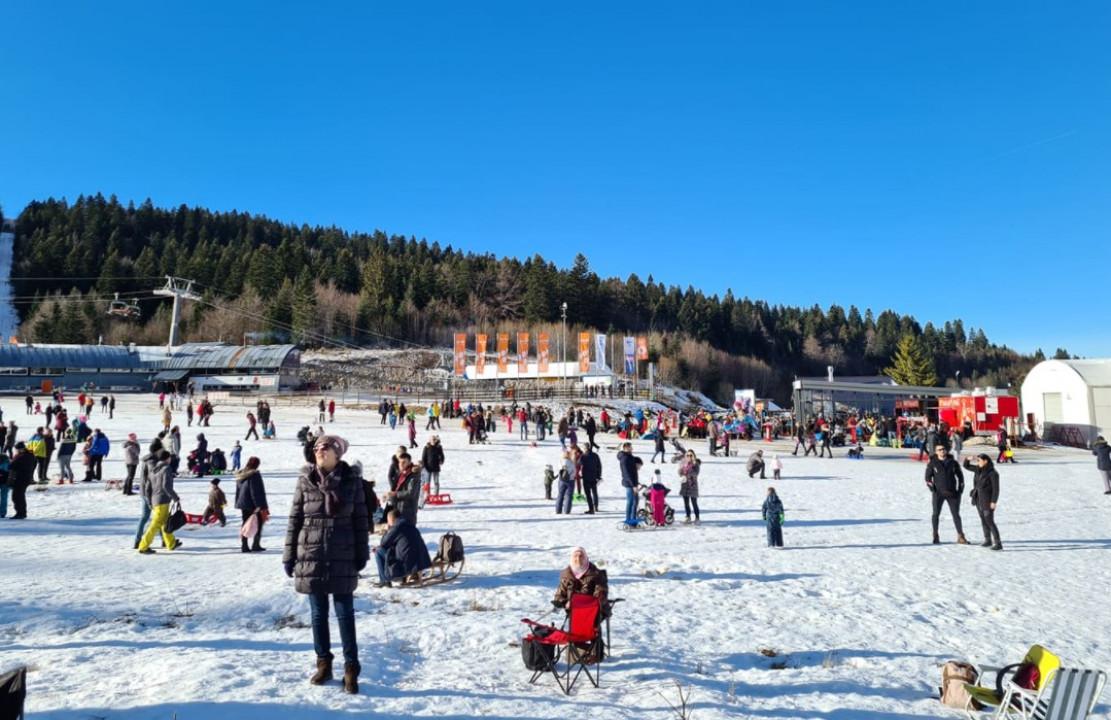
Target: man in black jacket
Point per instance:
(985, 496)
(590, 466)
(432, 459)
(20, 475)
(402, 551)
(946, 481)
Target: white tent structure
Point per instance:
(1069, 399)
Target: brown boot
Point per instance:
(323, 671)
(351, 672)
(962, 540)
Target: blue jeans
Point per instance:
(345, 617)
(143, 519)
(4, 490)
(630, 506)
(563, 500)
(380, 561)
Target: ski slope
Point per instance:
(859, 608)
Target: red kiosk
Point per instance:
(986, 411)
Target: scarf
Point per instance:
(579, 570)
(329, 485)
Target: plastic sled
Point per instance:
(441, 499)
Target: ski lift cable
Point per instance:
(358, 329)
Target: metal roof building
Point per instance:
(40, 368)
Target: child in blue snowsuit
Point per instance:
(773, 518)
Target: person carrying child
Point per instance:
(773, 518)
(216, 502)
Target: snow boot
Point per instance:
(962, 540)
(937, 540)
(351, 672)
(986, 543)
(244, 547)
(323, 671)
(997, 546)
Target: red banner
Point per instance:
(542, 353)
(503, 352)
(460, 354)
(642, 348)
(584, 352)
(480, 355)
(522, 352)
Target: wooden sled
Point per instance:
(440, 572)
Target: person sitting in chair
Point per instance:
(582, 577)
(402, 551)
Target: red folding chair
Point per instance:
(578, 643)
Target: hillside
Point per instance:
(325, 286)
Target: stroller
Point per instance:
(680, 451)
(655, 512)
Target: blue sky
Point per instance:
(942, 159)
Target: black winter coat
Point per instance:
(250, 492)
(629, 470)
(945, 477)
(590, 467)
(327, 551)
(21, 473)
(408, 495)
(406, 552)
(985, 484)
(432, 458)
(1102, 451)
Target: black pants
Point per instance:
(590, 490)
(19, 500)
(954, 502)
(129, 481)
(251, 431)
(688, 503)
(987, 520)
(758, 469)
(44, 463)
(258, 536)
(590, 439)
(826, 448)
(94, 467)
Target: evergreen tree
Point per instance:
(911, 365)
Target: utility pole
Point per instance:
(178, 289)
(563, 308)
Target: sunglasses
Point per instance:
(323, 446)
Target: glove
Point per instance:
(288, 568)
(782, 517)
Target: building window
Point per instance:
(48, 371)
(13, 371)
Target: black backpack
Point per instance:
(536, 655)
(451, 548)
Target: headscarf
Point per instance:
(579, 570)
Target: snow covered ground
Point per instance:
(859, 607)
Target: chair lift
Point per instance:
(124, 310)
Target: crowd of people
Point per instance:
(330, 535)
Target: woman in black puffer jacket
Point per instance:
(326, 547)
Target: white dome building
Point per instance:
(1069, 399)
